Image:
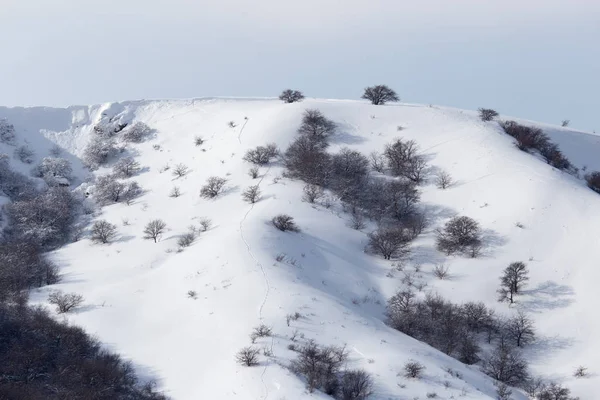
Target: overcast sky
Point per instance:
(536, 59)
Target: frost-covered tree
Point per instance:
(98, 151)
(24, 154)
(291, 96)
(154, 229)
(126, 167)
(108, 189)
(53, 167)
(103, 231)
(137, 132)
(380, 94)
(7, 132)
(13, 184)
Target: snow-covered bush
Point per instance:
(262, 155)
(24, 154)
(355, 384)
(103, 231)
(253, 172)
(285, 223)
(291, 96)
(186, 239)
(413, 369)
(108, 190)
(98, 152)
(136, 133)
(380, 94)
(251, 194)
(126, 167)
(320, 366)
(180, 170)
(51, 168)
(7, 132)
(214, 186)
(312, 193)
(317, 127)
(65, 302)
(13, 184)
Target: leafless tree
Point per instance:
(254, 172)
(312, 193)
(24, 154)
(316, 126)
(377, 162)
(65, 302)
(291, 96)
(458, 235)
(248, 356)
(262, 155)
(251, 194)
(180, 170)
(154, 229)
(186, 239)
(306, 159)
(175, 192)
(506, 364)
(126, 167)
(213, 187)
(443, 180)
(355, 384)
(513, 278)
(205, 223)
(487, 114)
(441, 271)
(593, 181)
(380, 94)
(390, 242)
(555, 391)
(413, 369)
(103, 231)
(285, 223)
(520, 329)
(503, 391)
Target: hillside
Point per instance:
(244, 272)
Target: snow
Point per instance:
(136, 290)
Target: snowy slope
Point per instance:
(136, 290)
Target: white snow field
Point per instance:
(135, 291)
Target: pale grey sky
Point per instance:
(536, 59)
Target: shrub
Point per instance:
(378, 162)
(7, 131)
(565, 123)
(98, 151)
(555, 391)
(154, 229)
(503, 392)
(109, 190)
(404, 160)
(580, 372)
(186, 239)
(349, 169)
(527, 137)
(254, 172)
(307, 160)
(175, 192)
(355, 384)
(441, 271)
(262, 155)
(248, 356)
(213, 187)
(460, 234)
(285, 223)
(251, 194)
(443, 180)
(198, 141)
(24, 154)
(593, 181)
(413, 369)
(291, 96)
(65, 302)
(126, 167)
(205, 223)
(137, 132)
(103, 231)
(390, 242)
(260, 331)
(319, 365)
(312, 193)
(180, 170)
(316, 126)
(401, 199)
(487, 114)
(379, 95)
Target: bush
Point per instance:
(519, 328)
(413, 369)
(175, 192)
(404, 160)
(487, 114)
(180, 170)
(98, 152)
(254, 172)
(186, 239)
(555, 391)
(441, 271)
(103, 231)
(251, 194)
(285, 223)
(43, 358)
(355, 384)
(137, 132)
(109, 190)
(248, 356)
(260, 331)
(379, 95)
(306, 159)
(213, 187)
(390, 242)
(291, 96)
(527, 137)
(443, 180)
(24, 154)
(378, 162)
(154, 229)
(126, 167)
(593, 181)
(65, 302)
(316, 127)
(205, 223)
(460, 234)
(262, 155)
(319, 365)
(349, 170)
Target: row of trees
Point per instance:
(377, 95)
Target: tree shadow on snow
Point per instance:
(548, 296)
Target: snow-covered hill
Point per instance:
(245, 272)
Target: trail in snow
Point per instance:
(242, 130)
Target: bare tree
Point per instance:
(291, 96)
(487, 114)
(137, 132)
(154, 229)
(377, 162)
(413, 369)
(312, 193)
(441, 271)
(404, 160)
(306, 159)
(251, 194)
(175, 192)
(380, 94)
(555, 391)
(458, 235)
(285, 223)
(262, 155)
(180, 170)
(520, 329)
(254, 172)
(213, 187)
(65, 302)
(248, 356)
(98, 151)
(186, 239)
(506, 364)
(443, 180)
(103, 231)
(503, 392)
(205, 223)
(390, 242)
(126, 167)
(24, 154)
(316, 126)
(514, 277)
